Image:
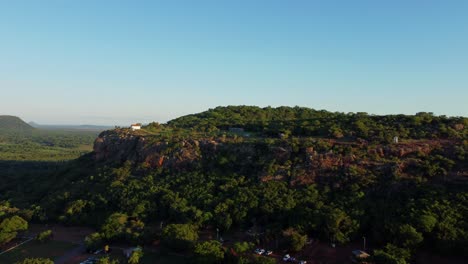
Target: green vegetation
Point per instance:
(135, 257)
(209, 252)
(391, 254)
(285, 173)
(35, 261)
(301, 121)
(107, 260)
(294, 240)
(179, 236)
(14, 125)
(44, 236)
(9, 228)
(21, 142)
(94, 242)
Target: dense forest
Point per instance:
(284, 175)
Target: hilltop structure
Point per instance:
(136, 126)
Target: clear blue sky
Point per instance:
(114, 62)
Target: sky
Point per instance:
(118, 62)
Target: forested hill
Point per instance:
(301, 121)
(331, 176)
(13, 124)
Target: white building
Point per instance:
(135, 127)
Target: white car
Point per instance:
(286, 257)
(259, 251)
(269, 252)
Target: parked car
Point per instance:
(286, 257)
(259, 251)
(269, 252)
(302, 262)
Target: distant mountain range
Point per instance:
(13, 124)
(71, 127)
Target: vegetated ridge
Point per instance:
(13, 124)
(399, 179)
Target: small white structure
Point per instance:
(135, 127)
(395, 139)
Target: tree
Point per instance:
(107, 260)
(391, 254)
(114, 225)
(294, 240)
(135, 256)
(44, 236)
(120, 226)
(336, 131)
(338, 224)
(209, 252)
(241, 247)
(10, 227)
(179, 236)
(35, 261)
(93, 241)
(222, 216)
(408, 236)
(426, 223)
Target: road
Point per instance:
(77, 251)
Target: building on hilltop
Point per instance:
(136, 126)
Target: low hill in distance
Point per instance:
(71, 127)
(14, 124)
(20, 141)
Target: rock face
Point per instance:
(118, 147)
(185, 154)
(273, 161)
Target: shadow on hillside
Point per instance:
(13, 167)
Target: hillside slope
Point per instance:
(13, 124)
(331, 176)
(20, 141)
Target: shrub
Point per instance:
(179, 236)
(44, 236)
(35, 261)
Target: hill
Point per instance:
(302, 121)
(13, 124)
(71, 127)
(332, 176)
(20, 141)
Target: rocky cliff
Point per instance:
(300, 162)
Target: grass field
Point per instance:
(51, 249)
